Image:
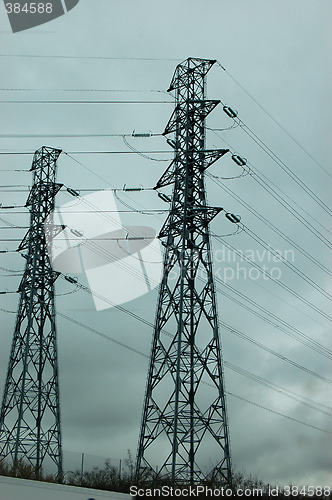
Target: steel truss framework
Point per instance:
(184, 419)
(30, 412)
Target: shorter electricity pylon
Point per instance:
(30, 411)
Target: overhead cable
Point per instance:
(275, 120)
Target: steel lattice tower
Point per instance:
(184, 419)
(30, 412)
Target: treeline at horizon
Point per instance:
(109, 478)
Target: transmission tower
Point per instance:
(184, 425)
(30, 412)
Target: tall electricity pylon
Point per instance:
(184, 425)
(30, 412)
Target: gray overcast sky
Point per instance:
(280, 51)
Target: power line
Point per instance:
(281, 390)
(7, 311)
(93, 172)
(140, 353)
(144, 212)
(136, 351)
(285, 261)
(10, 207)
(272, 226)
(307, 341)
(116, 306)
(232, 330)
(26, 136)
(262, 177)
(301, 337)
(266, 290)
(83, 190)
(265, 348)
(270, 249)
(82, 90)
(275, 316)
(86, 241)
(105, 253)
(290, 209)
(229, 365)
(274, 320)
(162, 59)
(277, 413)
(282, 259)
(139, 153)
(94, 189)
(279, 282)
(10, 270)
(100, 334)
(276, 121)
(225, 325)
(284, 166)
(256, 173)
(258, 177)
(121, 200)
(34, 101)
(79, 153)
(2, 190)
(108, 58)
(105, 181)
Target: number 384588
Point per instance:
(29, 8)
